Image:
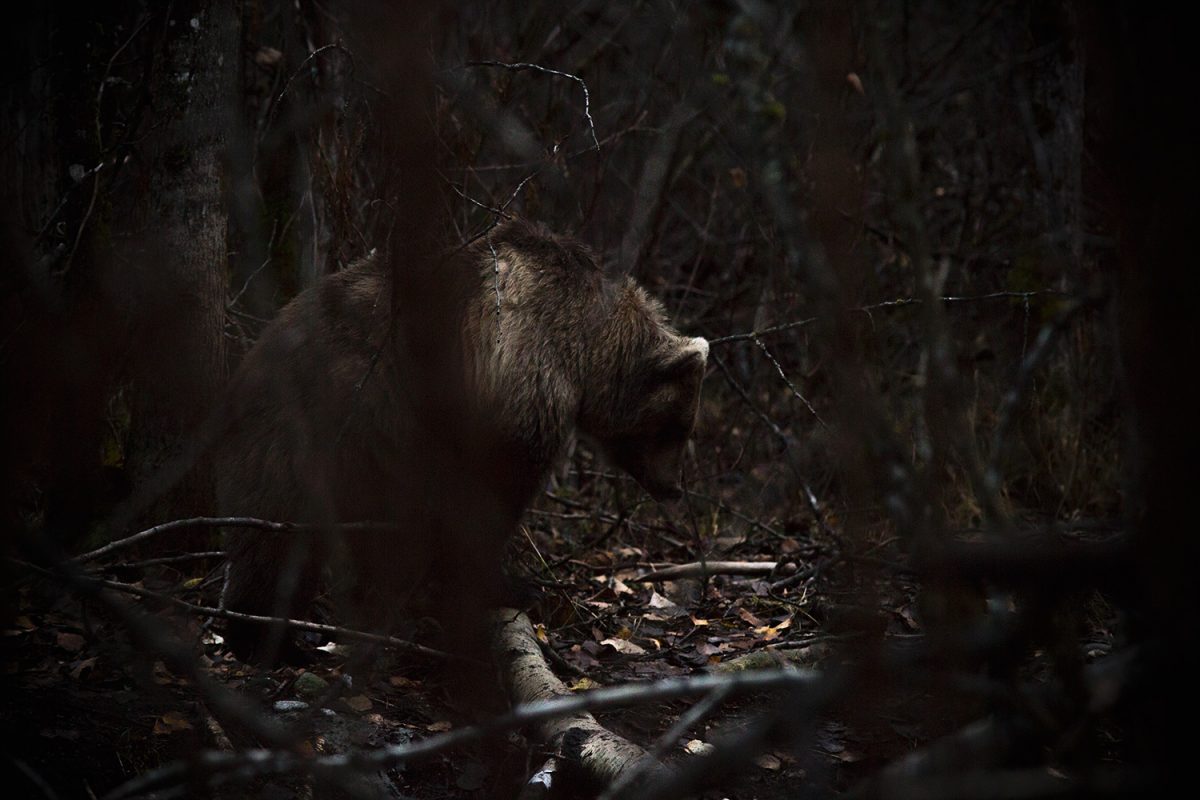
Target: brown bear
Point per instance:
(323, 429)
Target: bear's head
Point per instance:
(643, 411)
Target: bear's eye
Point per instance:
(665, 396)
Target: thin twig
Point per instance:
(752, 335)
(689, 719)
(232, 522)
(179, 559)
(152, 636)
(498, 212)
(790, 385)
(898, 303)
(292, 78)
(501, 211)
(212, 611)
(495, 279)
(87, 214)
(698, 569)
(523, 65)
(258, 762)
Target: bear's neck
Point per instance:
(529, 391)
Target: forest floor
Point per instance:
(84, 710)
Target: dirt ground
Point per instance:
(85, 710)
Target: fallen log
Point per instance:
(698, 569)
(578, 738)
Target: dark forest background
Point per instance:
(938, 250)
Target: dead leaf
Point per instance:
(737, 176)
(768, 761)
(162, 676)
(698, 748)
(749, 618)
(624, 647)
(360, 702)
(171, 722)
(401, 682)
(71, 642)
(771, 632)
(855, 82)
(440, 726)
(539, 631)
(601, 558)
(657, 601)
(86, 664)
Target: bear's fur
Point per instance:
(323, 426)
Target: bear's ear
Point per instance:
(671, 388)
(690, 355)
(697, 347)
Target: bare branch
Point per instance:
(220, 767)
(221, 613)
(521, 66)
(230, 522)
(898, 303)
(700, 569)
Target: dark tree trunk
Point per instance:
(182, 272)
(58, 351)
(1145, 143)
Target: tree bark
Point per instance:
(181, 281)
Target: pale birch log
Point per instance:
(578, 738)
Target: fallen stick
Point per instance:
(698, 569)
(216, 766)
(578, 737)
(221, 613)
(227, 522)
